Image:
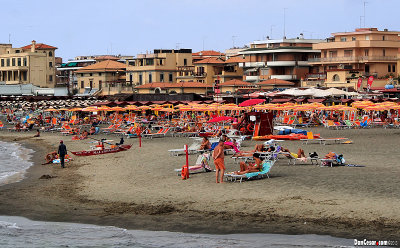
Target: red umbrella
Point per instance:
(251, 102)
(220, 118)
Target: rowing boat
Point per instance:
(104, 151)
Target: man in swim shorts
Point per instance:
(218, 156)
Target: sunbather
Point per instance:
(250, 167)
(300, 153)
(205, 144)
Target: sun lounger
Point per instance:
(192, 149)
(266, 167)
(201, 165)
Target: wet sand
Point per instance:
(138, 189)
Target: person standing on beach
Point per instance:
(218, 156)
(62, 151)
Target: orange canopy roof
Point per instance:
(106, 65)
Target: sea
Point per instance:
(18, 231)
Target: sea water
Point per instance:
(14, 161)
(22, 232)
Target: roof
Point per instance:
(275, 82)
(210, 60)
(106, 65)
(236, 59)
(39, 46)
(173, 85)
(106, 57)
(208, 53)
(235, 82)
(276, 48)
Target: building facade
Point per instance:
(285, 59)
(160, 66)
(349, 55)
(31, 64)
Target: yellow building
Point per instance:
(160, 66)
(348, 55)
(103, 78)
(34, 64)
(207, 70)
(174, 88)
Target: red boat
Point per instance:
(104, 151)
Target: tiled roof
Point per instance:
(38, 46)
(173, 85)
(235, 82)
(275, 82)
(106, 57)
(208, 53)
(210, 60)
(236, 59)
(106, 65)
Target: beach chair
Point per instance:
(125, 131)
(151, 135)
(266, 168)
(200, 166)
(192, 149)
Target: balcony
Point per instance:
(284, 77)
(252, 64)
(185, 68)
(354, 59)
(252, 78)
(316, 76)
(199, 74)
(287, 63)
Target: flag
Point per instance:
(369, 83)
(359, 82)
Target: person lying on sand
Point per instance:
(300, 153)
(50, 157)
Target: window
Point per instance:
(90, 74)
(383, 52)
(81, 74)
(383, 37)
(389, 67)
(2, 62)
(336, 77)
(17, 51)
(185, 62)
(343, 39)
(325, 54)
(150, 78)
(161, 62)
(13, 61)
(366, 52)
(99, 73)
(82, 84)
(393, 68)
(50, 64)
(140, 79)
(51, 78)
(100, 84)
(367, 37)
(24, 61)
(19, 61)
(149, 62)
(161, 77)
(348, 53)
(50, 53)
(91, 84)
(332, 54)
(8, 62)
(170, 77)
(353, 38)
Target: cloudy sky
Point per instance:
(128, 27)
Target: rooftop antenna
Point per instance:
(9, 38)
(177, 45)
(270, 33)
(365, 3)
(204, 37)
(284, 22)
(233, 41)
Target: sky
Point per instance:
(129, 27)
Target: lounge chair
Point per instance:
(201, 165)
(192, 149)
(266, 167)
(161, 132)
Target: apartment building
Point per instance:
(347, 56)
(103, 78)
(285, 59)
(160, 66)
(31, 64)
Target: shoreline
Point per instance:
(61, 199)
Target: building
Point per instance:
(235, 86)
(349, 55)
(271, 84)
(31, 64)
(66, 73)
(160, 66)
(285, 59)
(103, 78)
(207, 54)
(208, 69)
(174, 88)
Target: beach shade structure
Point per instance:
(50, 110)
(220, 119)
(75, 109)
(89, 109)
(117, 109)
(131, 107)
(251, 102)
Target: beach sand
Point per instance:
(138, 189)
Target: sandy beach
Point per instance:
(138, 189)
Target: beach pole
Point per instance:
(187, 162)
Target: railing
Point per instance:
(185, 68)
(199, 74)
(284, 77)
(252, 78)
(315, 76)
(356, 59)
(252, 64)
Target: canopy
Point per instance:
(251, 102)
(220, 119)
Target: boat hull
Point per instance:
(104, 151)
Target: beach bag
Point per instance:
(313, 155)
(340, 159)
